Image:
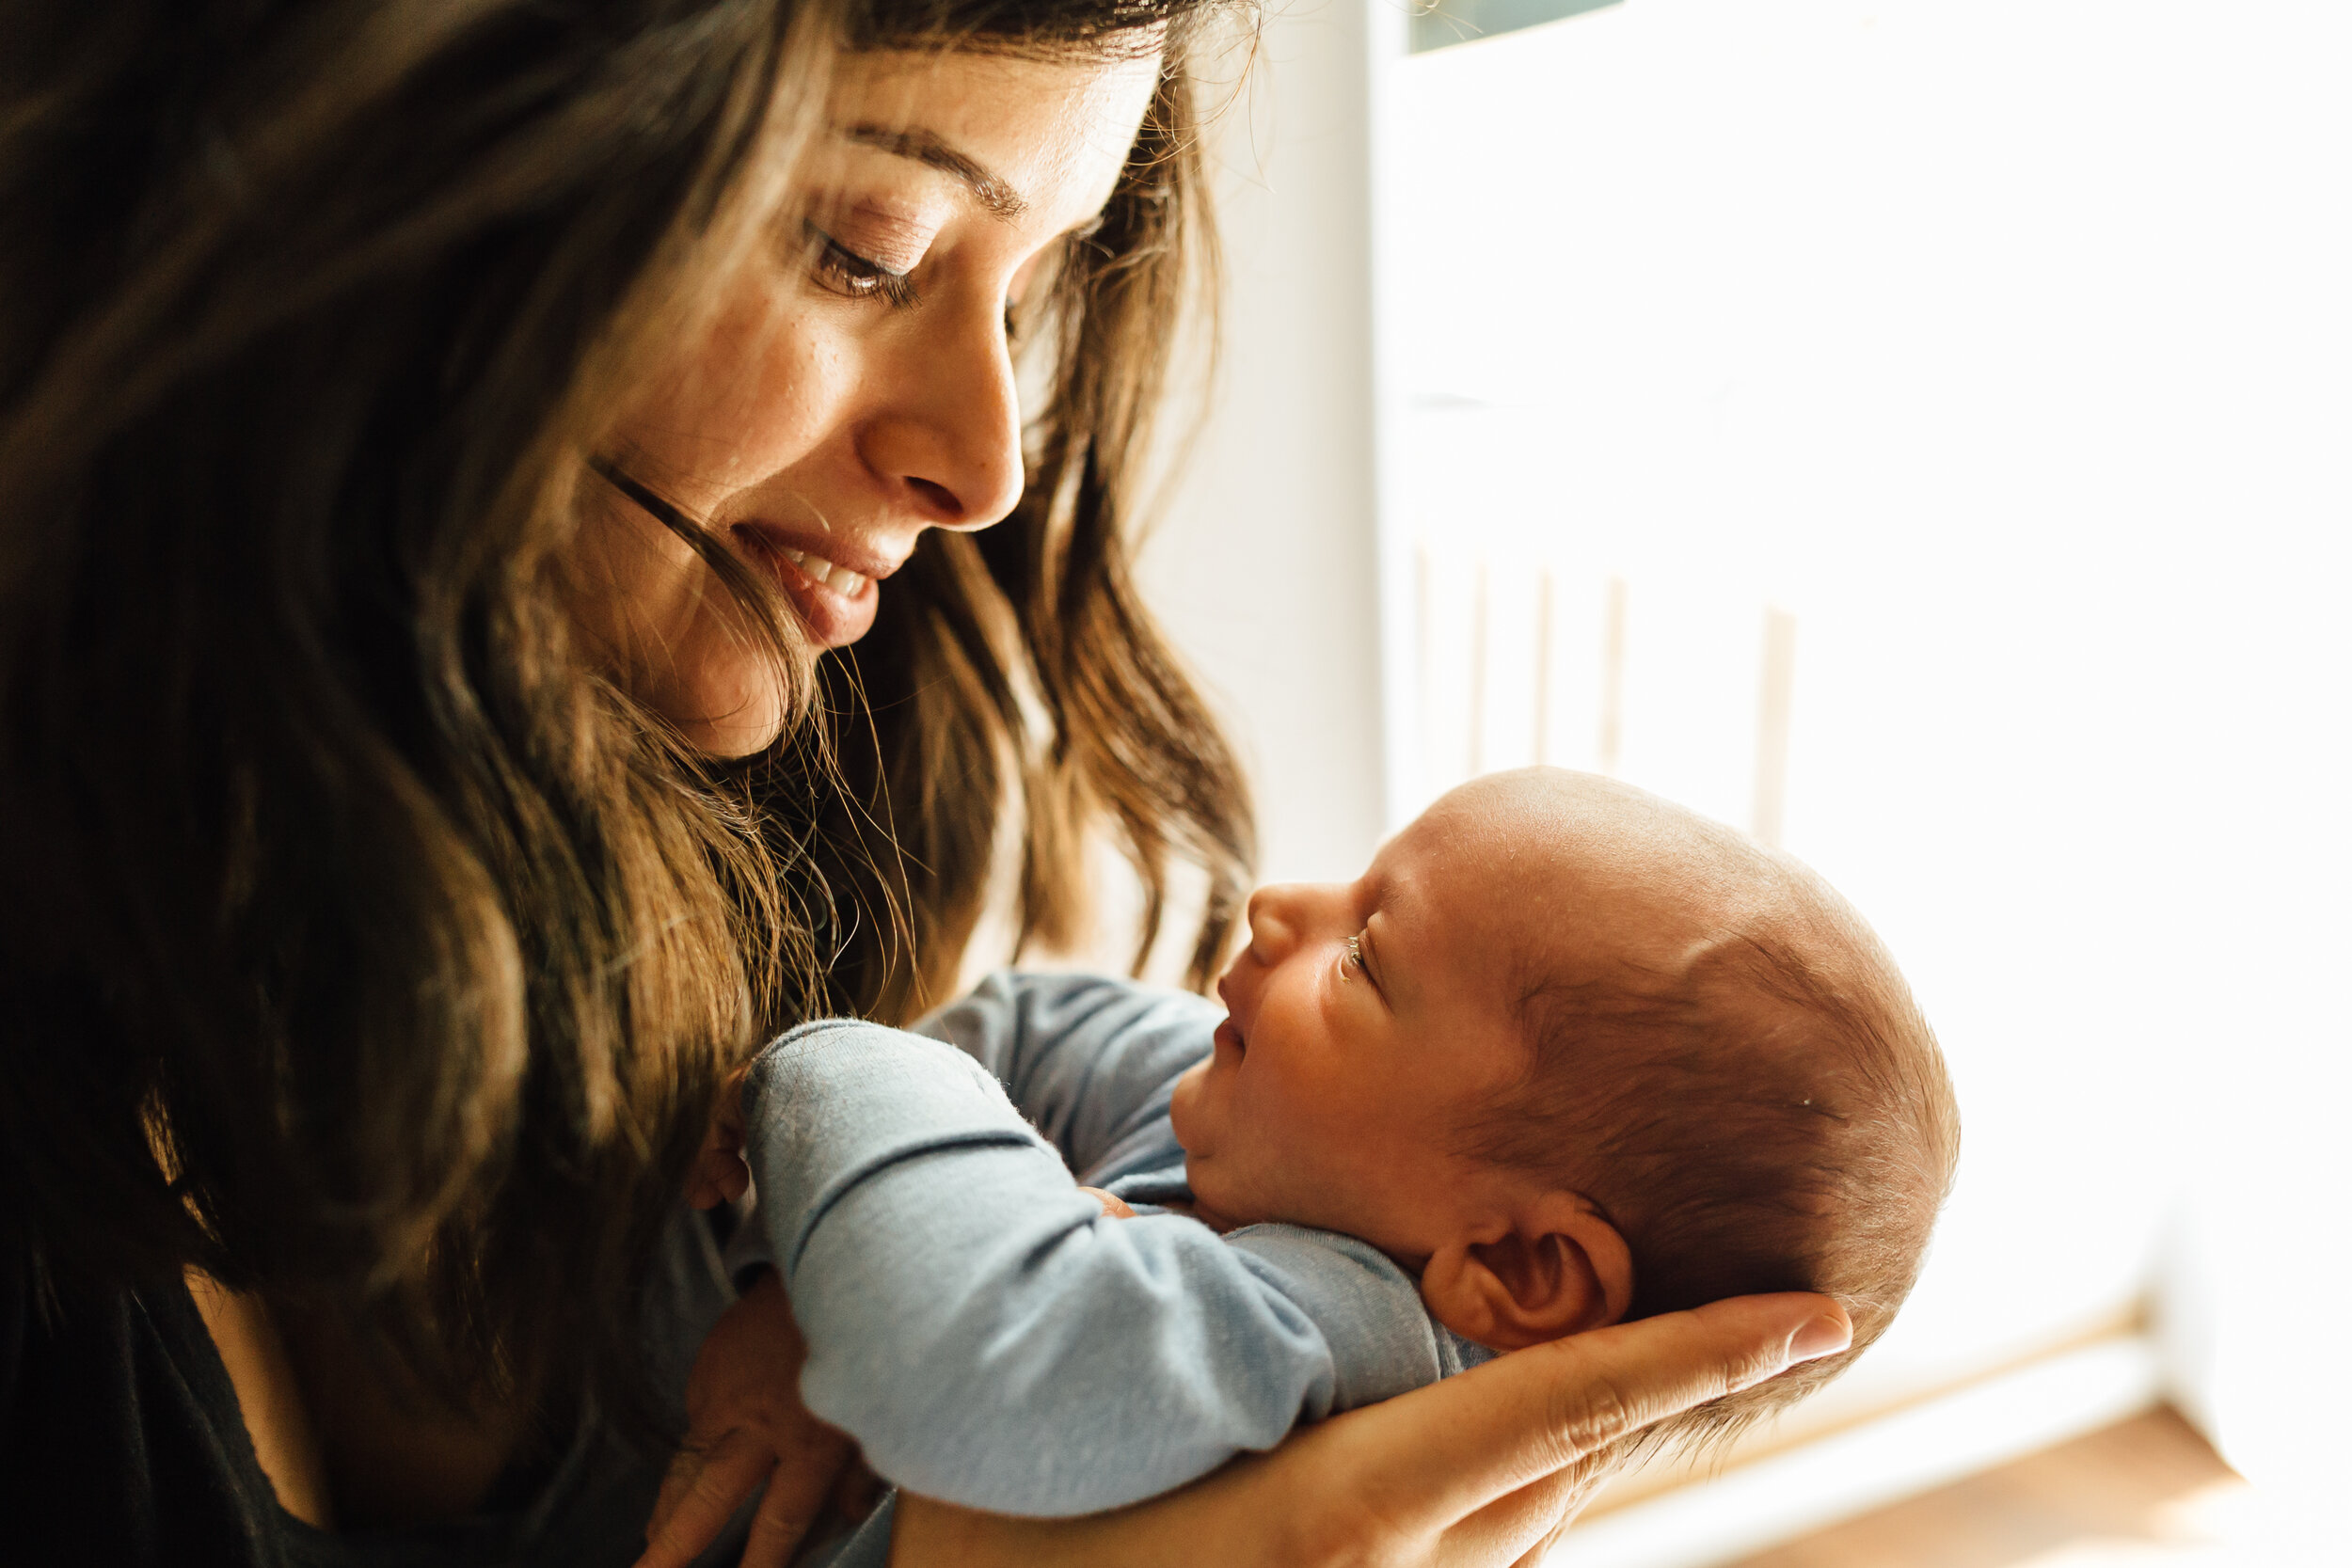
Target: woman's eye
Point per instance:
(845, 271)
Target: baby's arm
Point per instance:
(1090, 1061)
(987, 1335)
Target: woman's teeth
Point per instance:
(824, 574)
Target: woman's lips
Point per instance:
(836, 602)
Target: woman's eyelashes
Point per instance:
(837, 267)
(840, 269)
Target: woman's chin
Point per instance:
(732, 742)
(740, 722)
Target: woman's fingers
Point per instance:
(1521, 1527)
(796, 1494)
(1536, 1412)
(698, 1498)
(675, 1482)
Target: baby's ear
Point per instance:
(1560, 1269)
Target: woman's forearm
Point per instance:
(1483, 1468)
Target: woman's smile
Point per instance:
(835, 586)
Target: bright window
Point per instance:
(1919, 431)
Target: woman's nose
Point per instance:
(951, 441)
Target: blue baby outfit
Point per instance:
(975, 1321)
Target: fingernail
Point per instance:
(1824, 1335)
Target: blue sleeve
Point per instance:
(1090, 1061)
(991, 1340)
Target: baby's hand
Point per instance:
(1113, 1208)
(746, 1427)
(720, 1174)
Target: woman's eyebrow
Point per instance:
(924, 147)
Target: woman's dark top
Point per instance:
(121, 1442)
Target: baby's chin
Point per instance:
(1185, 1108)
(1215, 1206)
(1228, 1189)
(1194, 1122)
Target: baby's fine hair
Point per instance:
(1775, 1116)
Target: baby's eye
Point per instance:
(837, 267)
(1355, 953)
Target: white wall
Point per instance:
(1263, 568)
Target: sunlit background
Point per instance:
(1919, 432)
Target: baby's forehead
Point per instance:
(1517, 876)
(1493, 928)
(1647, 922)
(1528, 898)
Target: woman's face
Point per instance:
(857, 386)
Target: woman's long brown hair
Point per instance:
(361, 939)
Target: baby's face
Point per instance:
(1342, 1074)
(1342, 1080)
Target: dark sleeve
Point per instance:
(121, 1441)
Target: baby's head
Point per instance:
(1578, 1055)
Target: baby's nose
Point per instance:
(1273, 921)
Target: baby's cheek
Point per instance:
(1350, 1127)
(1184, 1106)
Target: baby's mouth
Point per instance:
(1229, 1036)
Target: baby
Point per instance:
(1565, 1055)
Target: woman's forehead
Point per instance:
(1018, 134)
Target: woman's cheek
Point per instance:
(800, 393)
(769, 384)
(634, 587)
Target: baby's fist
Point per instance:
(720, 1174)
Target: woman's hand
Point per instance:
(1484, 1469)
(746, 1428)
